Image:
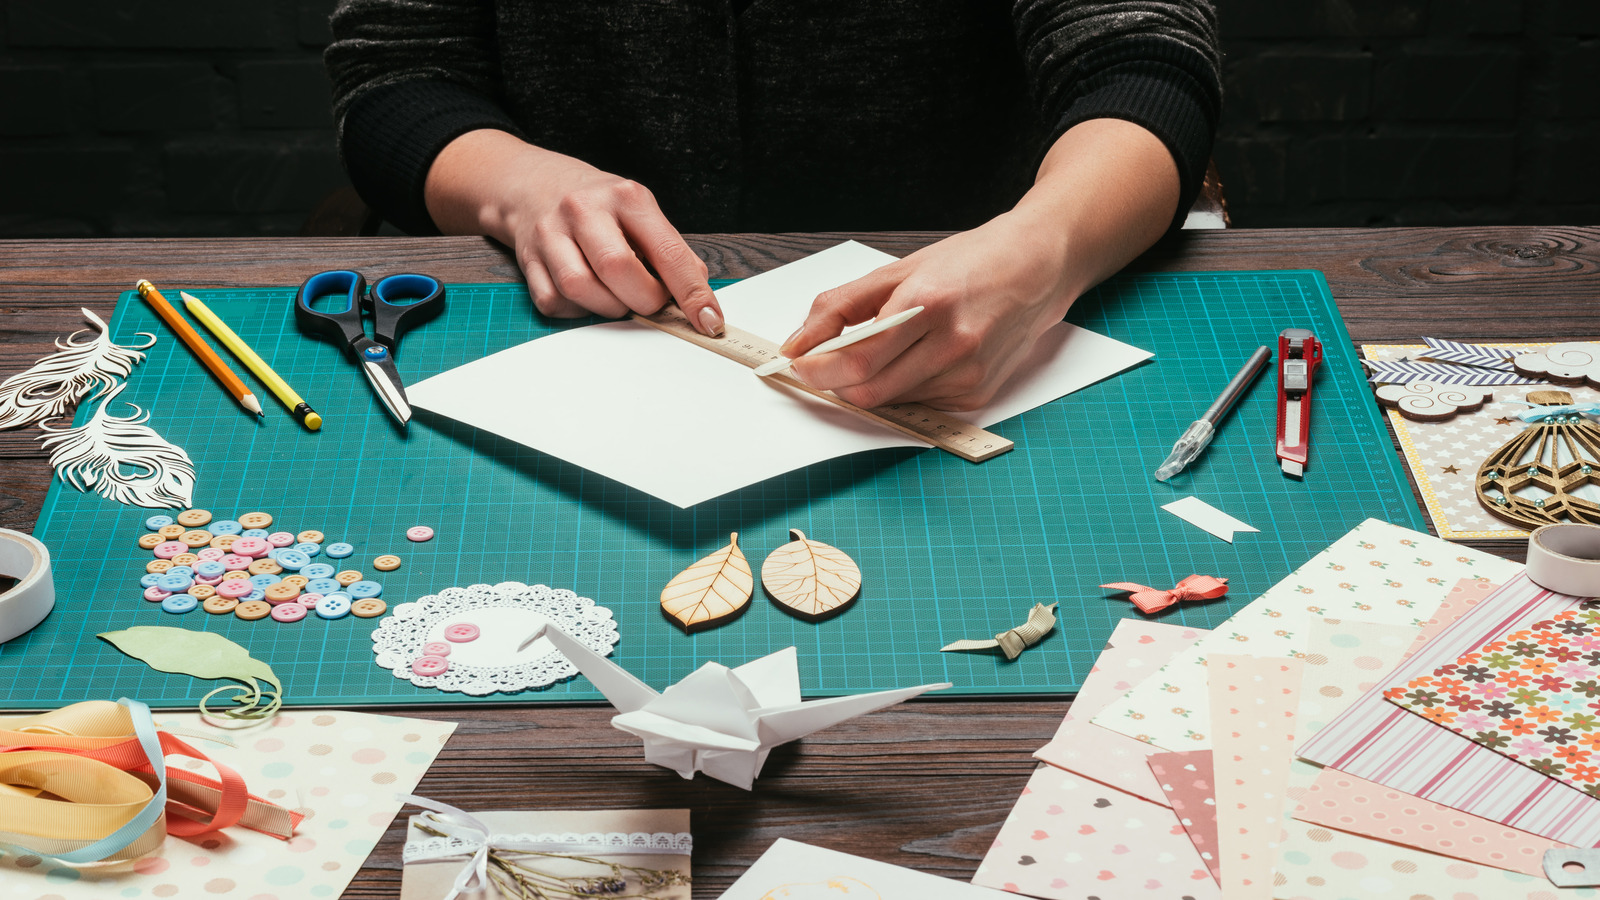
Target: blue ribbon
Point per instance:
(1545, 413)
(144, 728)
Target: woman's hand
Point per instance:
(582, 237)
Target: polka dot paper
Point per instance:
(1254, 702)
(341, 769)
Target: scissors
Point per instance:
(395, 303)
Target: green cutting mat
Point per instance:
(949, 549)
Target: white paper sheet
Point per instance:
(790, 870)
(1207, 518)
(686, 425)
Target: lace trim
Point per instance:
(593, 843)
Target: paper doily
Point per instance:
(505, 614)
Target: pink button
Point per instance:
(280, 539)
(288, 612)
(429, 666)
(436, 648)
(461, 632)
(155, 594)
(200, 579)
(233, 562)
(169, 549)
(419, 533)
(248, 546)
(211, 554)
(309, 601)
(234, 587)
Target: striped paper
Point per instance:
(1468, 354)
(1440, 373)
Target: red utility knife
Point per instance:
(1299, 354)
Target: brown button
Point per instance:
(255, 520)
(149, 541)
(217, 604)
(185, 559)
(194, 518)
(299, 581)
(386, 563)
(368, 607)
(197, 538)
(265, 566)
(158, 565)
(224, 542)
(202, 591)
(253, 610)
(236, 573)
(310, 536)
(347, 577)
(282, 592)
(171, 532)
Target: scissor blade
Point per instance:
(389, 391)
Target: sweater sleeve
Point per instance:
(410, 76)
(1155, 63)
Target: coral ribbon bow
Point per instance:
(1150, 600)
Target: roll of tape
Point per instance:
(26, 604)
(1566, 559)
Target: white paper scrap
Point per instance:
(1206, 517)
(790, 870)
(683, 424)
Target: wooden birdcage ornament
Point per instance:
(1535, 478)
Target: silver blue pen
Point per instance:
(1199, 434)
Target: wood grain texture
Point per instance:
(924, 784)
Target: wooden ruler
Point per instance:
(921, 422)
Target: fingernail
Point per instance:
(711, 322)
(789, 341)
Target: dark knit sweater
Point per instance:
(761, 115)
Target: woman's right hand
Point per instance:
(582, 237)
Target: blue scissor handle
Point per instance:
(402, 302)
(345, 324)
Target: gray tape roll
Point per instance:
(25, 605)
(1566, 559)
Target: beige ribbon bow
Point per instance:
(1040, 620)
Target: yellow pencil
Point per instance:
(253, 362)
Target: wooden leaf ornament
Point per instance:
(811, 579)
(715, 590)
(1427, 401)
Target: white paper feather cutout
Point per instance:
(56, 383)
(121, 458)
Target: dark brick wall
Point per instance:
(194, 117)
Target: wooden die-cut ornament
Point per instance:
(713, 591)
(811, 579)
(1573, 363)
(1428, 401)
(1530, 481)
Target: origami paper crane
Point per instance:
(718, 720)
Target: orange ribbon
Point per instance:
(1150, 600)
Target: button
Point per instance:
(263, 581)
(234, 588)
(252, 610)
(210, 553)
(181, 570)
(335, 607)
(233, 562)
(264, 567)
(419, 533)
(156, 523)
(240, 574)
(369, 607)
(201, 591)
(339, 550)
(213, 581)
(149, 579)
(171, 531)
(282, 592)
(317, 570)
(169, 549)
(280, 539)
(173, 584)
(255, 520)
(299, 581)
(386, 563)
(430, 666)
(255, 594)
(249, 546)
(224, 542)
(361, 590)
(321, 585)
(219, 604)
(197, 538)
(310, 536)
(255, 533)
(347, 577)
(436, 648)
(185, 559)
(209, 568)
(156, 594)
(224, 526)
(293, 560)
(308, 548)
(179, 603)
(149, 541)
(158, 565)
(461, 632)
(288, 612)
(194, 518)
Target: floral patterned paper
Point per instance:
(1532, 695)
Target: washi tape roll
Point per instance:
(27, 603)
(1566, 559)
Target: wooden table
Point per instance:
(926, 784)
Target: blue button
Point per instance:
(375, 353)
(264, 581)
(174, 583)
(340, 594)
(179, 603)
(308, 548)
(151, 580)
(322, 586)
(317, 570)
(361, 590)
(257, 594)
(156, 523)
(209, 568)
(293, 560)
(273, 553)
(226, 526)
(333, 606)
(339, 550)
(255, 532)
(181, 570)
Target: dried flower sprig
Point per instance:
(512, 873)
